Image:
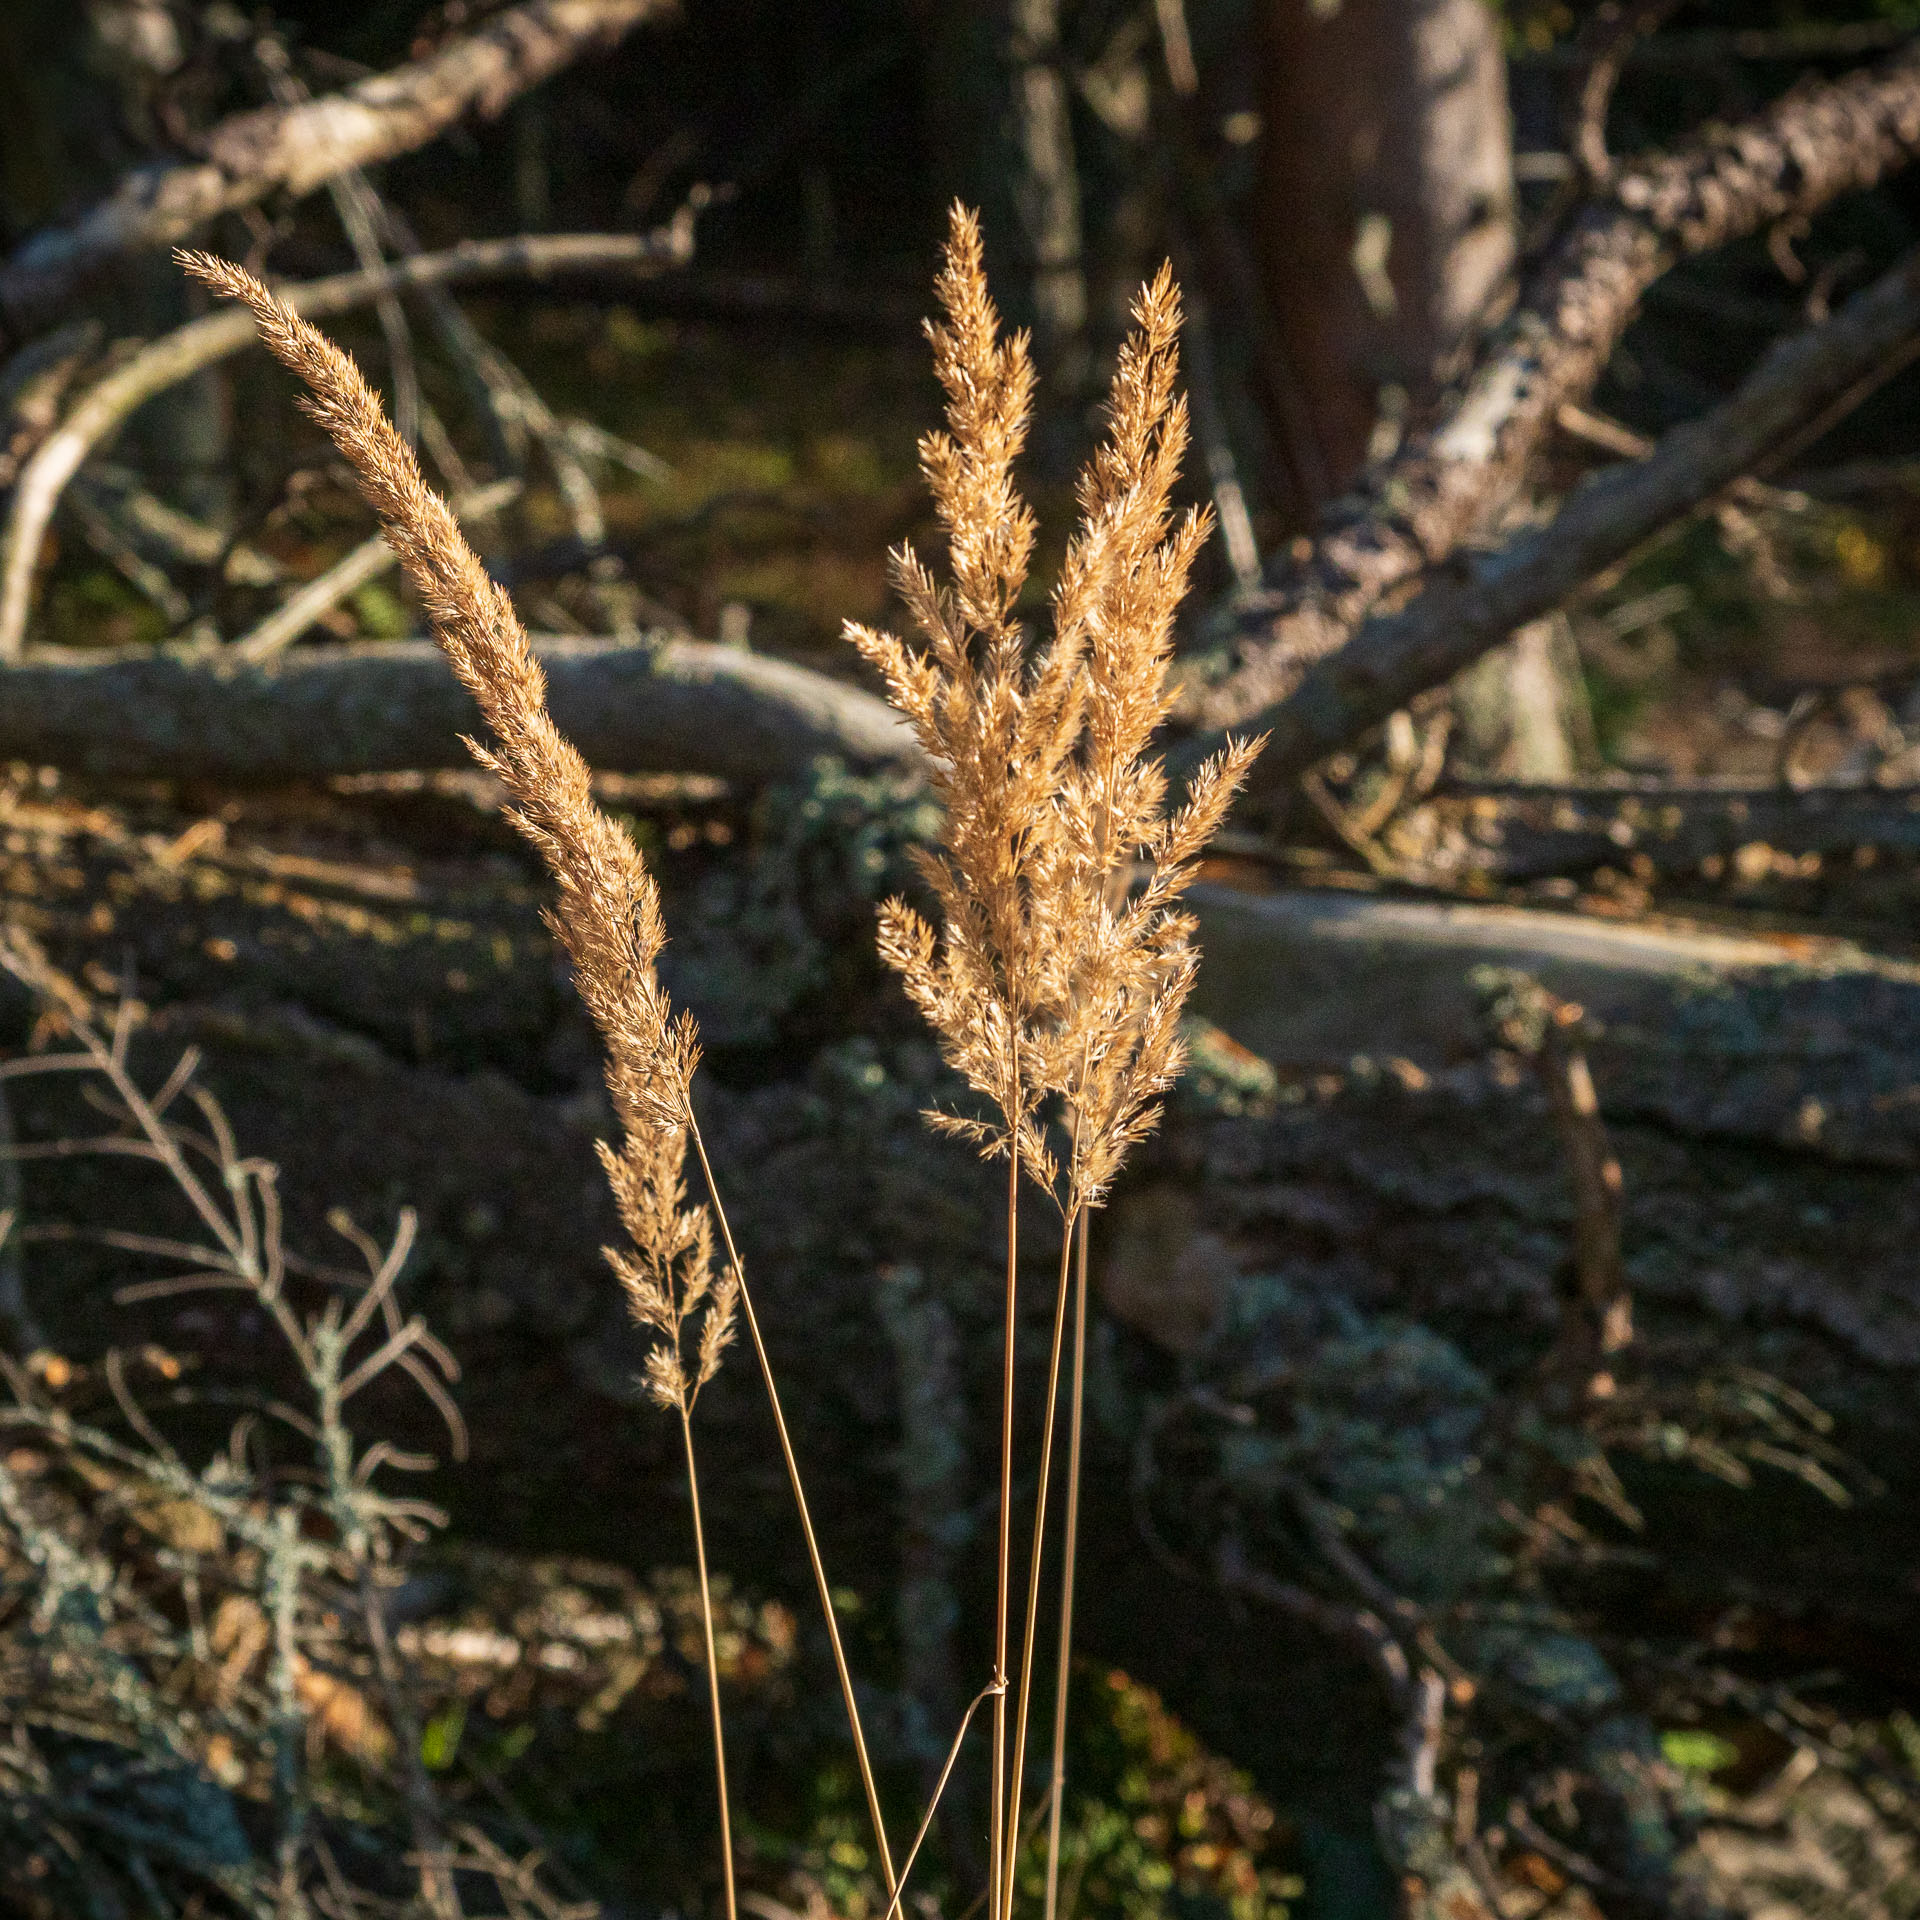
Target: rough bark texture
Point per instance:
(1413, 511)
(1395, 656)
(680, 705)
(1385, 213)
(1796, 1042)
(297, 148)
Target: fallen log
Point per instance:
(1414, 510)
(1803, 382)
(669, 705)
(297, 147)
(1543, 830)
(1784, 1039)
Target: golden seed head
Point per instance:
(1063, 961)
(606, 912)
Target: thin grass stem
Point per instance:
(713, 1662)
(867, 1779)
(1037, 1557)
(997, 1821)
(933, 1804)
(1075, 1423)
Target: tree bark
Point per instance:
(1385, 215)
(297, 148)
(1000, 131)
(1416, 509)
(1046, 192)
(1792, 1040)
(681, 705)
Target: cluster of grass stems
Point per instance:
(1055, 982)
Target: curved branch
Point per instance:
(107, 405)
(297, 147)
(1803, 382)
(685, 706)
(1612, 34)
(1806, 149)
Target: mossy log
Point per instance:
(379, 1009)
(1805, 1042)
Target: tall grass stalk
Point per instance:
(606, 916)
(998, 1823)
(1036, 1560)
(713, 1664)
(1055, 983)
(844, 1673)
(1069, 1553)
(1063, 960)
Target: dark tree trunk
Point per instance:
(1384, 214)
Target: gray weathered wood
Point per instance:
(1573, 828)
(678, 705)
(1784, 1039)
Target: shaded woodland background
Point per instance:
(1506, 1450)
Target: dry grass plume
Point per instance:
(1064, 960)
(1048, 979)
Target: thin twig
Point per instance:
(298, 147)
(113, 546)
(1607, 41)
(290, 1810)
(311, 602)
(356, 204)
(204, 342)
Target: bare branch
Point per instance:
(1798, 384)
(1611, 36)
(1676, 825)
(202, 343)
(1413, 511)
(298, 147)
(309, 603)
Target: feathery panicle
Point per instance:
(1046, 980)
(607, 914)
(1053, 982)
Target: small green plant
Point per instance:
(1156, 1821)
(202, 1689)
